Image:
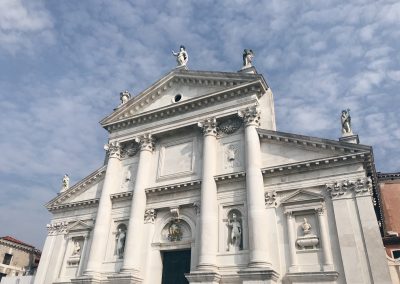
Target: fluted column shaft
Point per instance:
(134, 239)
(103, 217)
(255, 191)
(209, 205)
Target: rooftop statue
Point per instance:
(248, 56)
(65, 183)
(124, 97)
(181, 56)
(346, 122)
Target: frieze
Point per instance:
(229, 126)
(57, 228)
(270, 198)
(360, 187)
(129, 149)
(150, 216)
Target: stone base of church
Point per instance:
(204, 277)
(258, 276)
(124, 279)
(87, 280)
(312, 277)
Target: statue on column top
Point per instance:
(248, 56)
(181, 56)
(346, 122)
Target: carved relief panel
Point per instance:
(177, 158)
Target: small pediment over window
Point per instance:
(302, 196)
(79, 226)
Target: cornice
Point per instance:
(84, 183)
(230, 176)
(314, 164)
(83, 203)
(388, 176)
(309, 141)
(188, 77)
(185, 106)
(26, 248)
(174, 187)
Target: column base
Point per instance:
(204, 277)
(315, 277)
(260, 264)
(124, 278)
(258, 276)
(87, 279)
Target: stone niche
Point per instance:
(177, 158)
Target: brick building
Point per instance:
(389, 184)
(17, 258)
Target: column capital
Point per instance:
(150, 216)
(146, 142)
(320, 210)
(113, 149)
(209, 126)
(250, 115)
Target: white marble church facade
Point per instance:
(194, 163)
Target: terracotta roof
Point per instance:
(11, 239)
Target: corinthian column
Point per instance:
(103, 217)
(134, 239)
(208, 204)
(255, 191)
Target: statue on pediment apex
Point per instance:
(346, 122)
(181, 56)
(248, 56)
(124, 97)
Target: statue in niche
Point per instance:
(124, 97)
(235, 236)
(248, 56)
(181, 56)
(306, 227)
(346, 122)
(77, 249)
(120, 239)
(65, 182)
(174, 231)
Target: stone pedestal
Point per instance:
(203, 277)
(350, 138)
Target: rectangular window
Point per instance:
(7, 259)
(396, 253)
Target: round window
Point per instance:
(177, 98)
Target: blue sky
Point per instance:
(63, 64)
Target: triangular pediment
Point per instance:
(281, 149)
(78, 226)
(179, 83)
(301, 196)
(87, 189)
